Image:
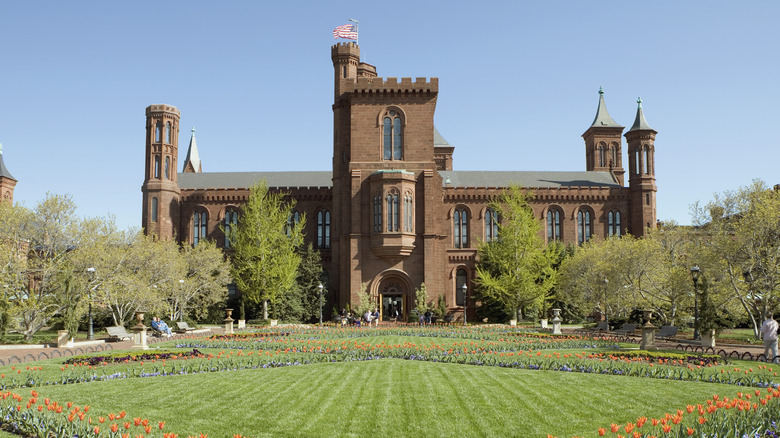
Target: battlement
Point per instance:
(341, 49)
(162, 108)
(375, 85)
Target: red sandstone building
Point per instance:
(392, 213)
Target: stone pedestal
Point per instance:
(557, 321)
(544, 323)
(241, 324)
(648, 333)
(513, 322)
(708, 338)
(274, 322)
(228, 322)
(63, 340)
(139, 333)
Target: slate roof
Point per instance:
(460, 178)
(603, 119)
(527, 179)
(3, 170)
(640, 123)
(192, 154)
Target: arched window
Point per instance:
(461, 229)
(408, 213)
(168, 132)
(583, 226)
(491, 225)
(231, 220)
(154, 209)
(156, 166)
(647, 159)
(614, 150)
(392, 136)
(602, 155)
(613, 223)
(323, 229)
(461, 277)
(553, 225)
(157, 132)
(636, 162)
(377, 214)
(292, 222)
(392, 211)
(199, 223)
(167, 167)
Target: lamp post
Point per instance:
(465, 288)
(606, 318)
(90, 330)
(695, 272)
(320, 287)
(181, 303)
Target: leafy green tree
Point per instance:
(205, 280)
(310, 275)
(265, 259)
(516, 270)
(742, 229)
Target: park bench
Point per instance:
(626, 329)
(667, 332)
(600, 327)
(183, 327)
(117, 333)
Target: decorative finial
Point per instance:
(639, 102)
(193, 130)
(1, 149)
(601, 91)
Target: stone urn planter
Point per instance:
(557, 321)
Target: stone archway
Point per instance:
(393, 295)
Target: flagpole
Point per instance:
(356, 30)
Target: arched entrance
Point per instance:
(392, 295)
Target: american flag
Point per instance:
(346, 31)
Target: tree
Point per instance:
(516, 270)
(265, 259)
(310, 276)
(743, 231)
(206, 277)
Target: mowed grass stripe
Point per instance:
(387, 397)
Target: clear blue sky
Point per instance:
(518, 85)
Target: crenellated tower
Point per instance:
(602, 143)
(161, 194)
(641, 180)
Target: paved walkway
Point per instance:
(19, 353)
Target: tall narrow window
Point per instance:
(292, 222)
(636, 162)
(602, 155)
(392, 136)
(156, 166)
(199, 223)
(583, 226)
(157, 132)
(168, 132)
(614, 151)
(377, 213)
(167, 167)
(553, 225)
(154, 209)
(392, 212)
(461, 277)
(408, 213)
(491, 225)
(461, 229)
(323, 229)
(617, 224)
(231, 220)
(647, 160)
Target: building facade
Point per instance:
(392, 213)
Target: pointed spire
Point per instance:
(192, 161)
(603, 119)
(640, 123)
(4, 173)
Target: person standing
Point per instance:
(769, 333)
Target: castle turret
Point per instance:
(641, 179)
(7, 181)
(602, 143)
(160, 213)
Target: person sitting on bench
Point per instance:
(161, 326)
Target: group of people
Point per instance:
(368, 318)
(425, 318)
(160, 326)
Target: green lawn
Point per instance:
(387, 397)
